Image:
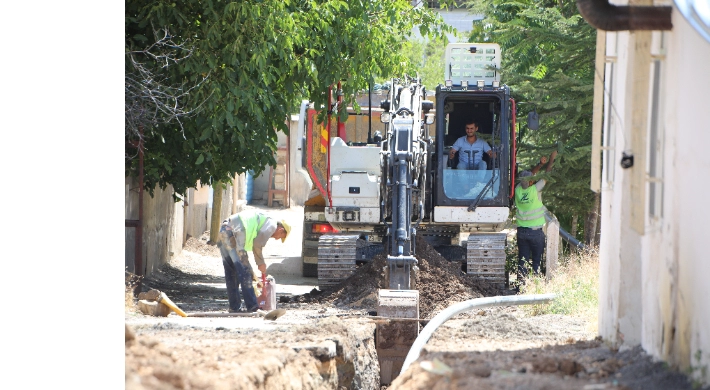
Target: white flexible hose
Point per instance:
(461, 307)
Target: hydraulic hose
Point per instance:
(571, 240)
(563, 233)
(461, 307)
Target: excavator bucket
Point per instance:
(394, 339)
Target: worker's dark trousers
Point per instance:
(531, 246)
(237, 270)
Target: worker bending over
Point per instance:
(246, 231)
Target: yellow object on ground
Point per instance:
(153, 308)
(167, 302)
(159, 297)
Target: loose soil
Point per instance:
(326, 338)
(440, 284)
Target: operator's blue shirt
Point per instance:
(462, 145)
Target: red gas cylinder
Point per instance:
(267, 299)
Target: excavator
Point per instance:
(386, 192)
(400, 185)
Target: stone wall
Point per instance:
(168, 224)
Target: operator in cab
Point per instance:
(471, 149)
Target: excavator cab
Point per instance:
(473, 92)
(462, 185)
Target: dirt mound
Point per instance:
(440, 282)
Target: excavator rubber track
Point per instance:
(485, 257)
(337, 258)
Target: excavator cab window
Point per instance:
(465, 178)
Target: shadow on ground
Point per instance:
(189, 291)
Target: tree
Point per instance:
(428, 59)
(216, 221)
(548, 61)
(252, 62)
(149, 100)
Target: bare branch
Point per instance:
(150, 99)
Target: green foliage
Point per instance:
(254, 61)
(511, 256)
(548, 61)
(428, 60)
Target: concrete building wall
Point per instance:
(653, 260)
(259, 196)
(167, 224)
(162, 227)
(688, 134)
(261, 182)
(610, 270)
(158, 228)
(662, 260)
(198, 210)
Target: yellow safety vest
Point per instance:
(252, 222)
(531, 211)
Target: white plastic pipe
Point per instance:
(461, 307)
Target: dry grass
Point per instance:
(576, 284)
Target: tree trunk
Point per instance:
(216, 211)
(573, 227)
(591, 228)
(235, 194)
